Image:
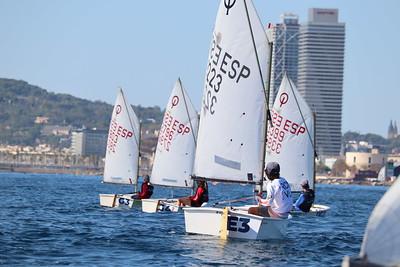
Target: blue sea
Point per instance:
(52, 220)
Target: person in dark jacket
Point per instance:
(198, 198)
(306, 198)
(146, 189)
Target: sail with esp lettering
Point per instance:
(122, 153)
(232, 117)
(174, 158)
(290, 140)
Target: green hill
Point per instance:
(21, 103)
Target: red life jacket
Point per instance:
(200, 197)
(146, 191)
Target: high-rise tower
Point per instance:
(320, 75)
(285, 51)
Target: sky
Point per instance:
(90, 48)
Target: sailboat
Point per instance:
(122, 154)
(173, 161)
(291, 140)
(232, 130)
(381, 243)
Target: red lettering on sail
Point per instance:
(282, 127)
(115, 132)
(170, 128)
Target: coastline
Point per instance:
(347, 181)
(91, 171)
(53, 170)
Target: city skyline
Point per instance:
(88, 49)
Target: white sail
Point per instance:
(173, 163)
(232, 118)
(290, 139)
(381, 244)
(122, 154)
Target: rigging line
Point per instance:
(129, 117)
(233, 200)
(196, 178)
(187, 110)
(138, 159)
(302, 117)
(255, 50)
(266, 94)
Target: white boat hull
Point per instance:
(118, 200)
(240, 224)
(160, 205)
(319, 210)
(316, 210)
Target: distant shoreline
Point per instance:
(350, 181)
(52, 170)
(99, 172)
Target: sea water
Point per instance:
(51, 220)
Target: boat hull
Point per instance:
(118, 200)
(240, 224)
(316, 210)
(160, 205)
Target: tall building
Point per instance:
(285, 37)
(320, 75)
(89, 142)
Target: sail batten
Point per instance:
(231, 132)
(173, 161)
(122, 153)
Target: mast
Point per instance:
(268, 118)
(139, 158)
(315, 156)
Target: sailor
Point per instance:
(279, 201)
(146, 189)
(200, 197)
(306, 198)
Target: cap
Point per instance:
(272, 168)
(304, 183)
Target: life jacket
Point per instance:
(204, 196)
(150, 189)
(147, 191)
(200, 197)
(309, 197)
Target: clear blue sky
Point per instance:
(89, 48)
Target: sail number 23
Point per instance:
(221, 65)
(213, 81)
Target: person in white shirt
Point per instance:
(279, 201)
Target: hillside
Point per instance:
(385, 145)
(21, 103)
